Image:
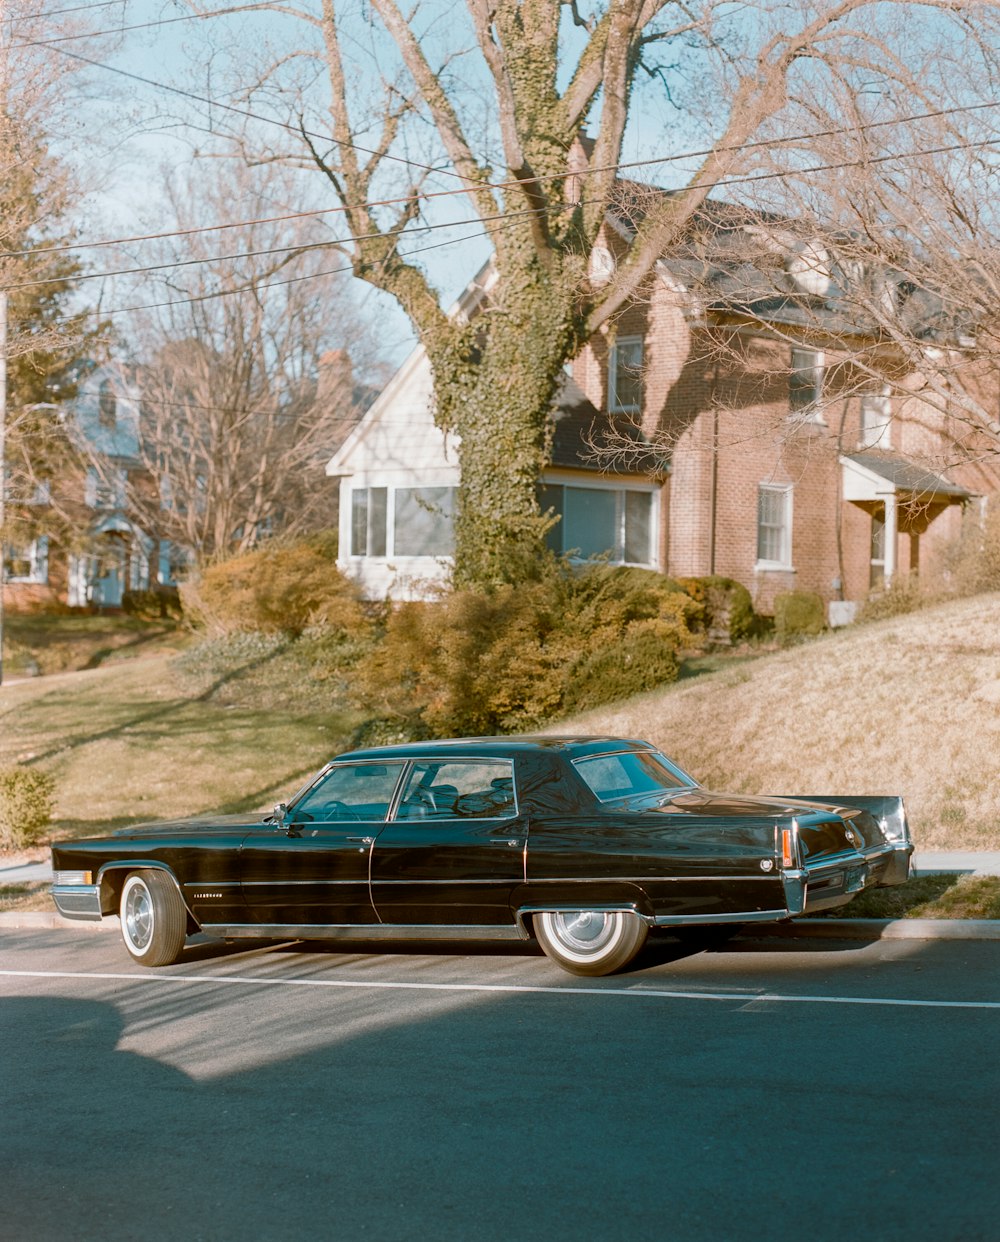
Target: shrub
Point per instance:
(797, 614)
(727, 612)
(504, 661)
(280, 588)
(26, 797)
(904, 595)
(973, 562)
(158, 604)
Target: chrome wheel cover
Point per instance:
(585, 933)
(138, 917)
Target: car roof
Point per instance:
(574, 746)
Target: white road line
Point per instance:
(744, 998)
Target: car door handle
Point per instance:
(361, 840)
(505, 844)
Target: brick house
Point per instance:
(741, 437)
(100, 552)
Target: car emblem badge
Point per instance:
(766, 864)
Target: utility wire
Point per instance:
(78, 8)
(117, 30)
(743, 179)
(435, 194)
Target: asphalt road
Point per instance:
(784, 1090)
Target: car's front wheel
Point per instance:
(153, 918)
(590, 942)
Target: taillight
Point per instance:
(789, 846)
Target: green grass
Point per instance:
(147, 739)
(23, 897)
(42, 644)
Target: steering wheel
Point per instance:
(334, 810)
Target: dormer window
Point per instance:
(876, 419)
(625, 375)
(805, 382)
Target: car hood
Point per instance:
(222, 824)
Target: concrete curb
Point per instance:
(799, 929)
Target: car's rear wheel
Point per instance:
(590, 942)
(153, 918)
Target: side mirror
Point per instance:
(278, 814)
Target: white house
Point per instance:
(399, 474)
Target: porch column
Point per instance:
(890, 537)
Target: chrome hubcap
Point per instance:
(139, 916)
(585, 931)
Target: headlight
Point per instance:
(73, 877)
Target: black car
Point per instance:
(584, 843)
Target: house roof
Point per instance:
(907, 477)
(580, 429)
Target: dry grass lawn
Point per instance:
(138, 741)
(908, 706)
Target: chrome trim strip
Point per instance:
(646, 879)
(364, 931)
(615, 907)
(278, 882)
(688, 920)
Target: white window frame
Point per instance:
(812, 410)
(785, 492)
(37, 555)
(614, 405)
(876, 434)
(106, 492)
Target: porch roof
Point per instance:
(871, 476)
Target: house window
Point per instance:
(599, 521)
(105, 489)
(876, 574)
(27, 562)
(876, 418)
(805, 381)
(107, 404)
(368, 520)
(625, 375)
(774, 526)
(423, 521)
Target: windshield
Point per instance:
(632, 774)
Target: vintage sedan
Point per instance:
(584, 843)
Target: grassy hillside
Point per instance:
(908, 706)
(144, 739)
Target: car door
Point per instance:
(312, 869)
(454, 849)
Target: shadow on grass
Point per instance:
(162, 712)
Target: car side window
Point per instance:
(350, 791)
(459, 789)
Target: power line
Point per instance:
(115, 30)
(78, 8)
(743, 179)
(274, 284)
(933, 114)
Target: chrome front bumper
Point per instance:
(81, 902)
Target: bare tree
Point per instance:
(243, 374)
(878, 241)
(500, 97)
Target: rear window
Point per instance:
(631, 774)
